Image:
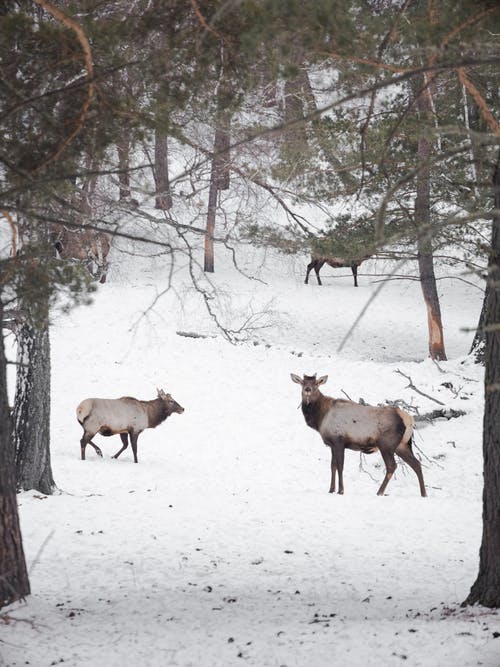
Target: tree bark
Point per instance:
(220, 170)
(295, 134)
(209, 260)
(486, 588)
(31, 414)
(478, 347)
(162, 181)
(424, 236)
(14, 582)
(123, 149)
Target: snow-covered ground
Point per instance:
(222, 546)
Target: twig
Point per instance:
(412, 386)
(40, 550)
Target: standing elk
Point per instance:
(347, 425)
(125, 416)
(89, 246)
(317, 261)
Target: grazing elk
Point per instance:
(89, 246)
(347, 425)
(317, 261)
(125, 416)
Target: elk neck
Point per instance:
(315, 411)
(157, 412)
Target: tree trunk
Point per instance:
(123, 148)
(295, 134)
(31, 414)
(221, 149)
(162, 181)
(14, 582)
(486, 588)
(478, 347)
(220, 171)
(424, 242)
(210, 228)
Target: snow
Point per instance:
(222, 546)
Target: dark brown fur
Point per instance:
(346, 425)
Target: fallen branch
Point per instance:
(445, 413)
(412, 386)
(193, 334)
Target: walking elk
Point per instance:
(344, 425)
(125, 416)
(317, 262)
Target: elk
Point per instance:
(125, 416)
(344, 425)
(317, 261)
(83, 244)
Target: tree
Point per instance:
(486, 588)
(163, 199)
(425, 229)
(31, 414)
(14, 583)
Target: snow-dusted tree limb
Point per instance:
(418, 391)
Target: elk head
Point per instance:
(310, 386)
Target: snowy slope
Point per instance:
(222, 546)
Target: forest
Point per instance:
(201, 201)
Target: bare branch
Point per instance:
(412, 386)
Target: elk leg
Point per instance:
(87, 441)
(405, 452)
(333, 466)
(310, 267)
(124, 437)
(390, 467)
(133, 441)
(317, 267)
(339, 456)
(338, 449)
(83, 444)
(97, 449)
(354, 269)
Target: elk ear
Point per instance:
(322, 380)
(295, 378)
(161, 393)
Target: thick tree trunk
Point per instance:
(424, 243)
(123, 149)
(220, 171)
(31, 415)
(14, 583)
(295, 134)
(162, 181)
(209, 261)
(486, 589)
